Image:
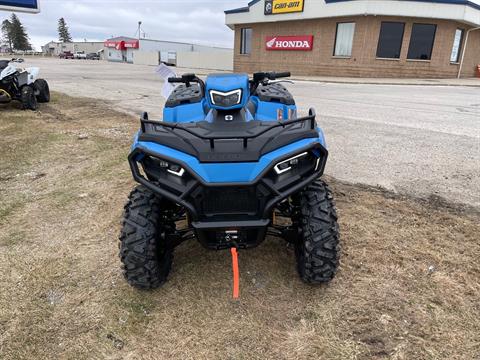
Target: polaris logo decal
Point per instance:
(299, 43)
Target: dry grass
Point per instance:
(62, 294)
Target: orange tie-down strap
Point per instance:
(236, 280)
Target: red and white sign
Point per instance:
(122, 45)
(297, 43)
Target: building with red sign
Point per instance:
(125, 49)
(358, 38)
(121, 48)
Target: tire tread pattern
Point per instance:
(43, 91)
(29, 101)
(146, 258)
(318, 250)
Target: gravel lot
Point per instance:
(417, 140)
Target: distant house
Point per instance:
(54, 48)
(4, 49)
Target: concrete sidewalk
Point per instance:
(472, 82)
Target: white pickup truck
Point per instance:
(80, 55)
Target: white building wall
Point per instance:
(130, 53)
(212, 60)
(88, 47)
(151, 52)
(113, 54)
(153, 45)
(203, 48)
(146, 58)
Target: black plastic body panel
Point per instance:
(234, 141)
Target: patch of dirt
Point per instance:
(408, 286)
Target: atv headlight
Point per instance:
(287, 165)
(171, 168)
(176, 170)
(226, 100)
(301, 162)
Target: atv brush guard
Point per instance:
(180, 191)
(224, 166)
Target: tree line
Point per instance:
(15, 37)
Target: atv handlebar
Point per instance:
(175, 80)
(274, 76)
(187, 79)
(264, 77)
(258, 78)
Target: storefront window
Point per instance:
(421, 42)
(390, 40)
(246, 42)
(457, 44)
(344, 39)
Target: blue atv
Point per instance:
(230, 163)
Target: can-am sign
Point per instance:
(298, 43)
(273, 7)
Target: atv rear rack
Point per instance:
(180, 126)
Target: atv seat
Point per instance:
(3, 64)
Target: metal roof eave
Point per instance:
(242, 9)
(238, 16)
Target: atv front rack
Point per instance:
(227, 135)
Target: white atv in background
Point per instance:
(22, 85)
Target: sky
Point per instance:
(195, 21)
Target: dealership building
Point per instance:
(358, 38)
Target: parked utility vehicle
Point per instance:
(66, 55)
(230, 163)
(22, 85)
(93, 56)
(80, 55)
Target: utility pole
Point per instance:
(139, 30)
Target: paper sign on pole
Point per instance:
(165, 73)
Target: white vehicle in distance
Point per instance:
(80, 55)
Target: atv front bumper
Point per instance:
(227, 214)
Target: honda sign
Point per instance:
(298, 43)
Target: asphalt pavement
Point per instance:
(418, 139)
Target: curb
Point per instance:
(333, 81)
